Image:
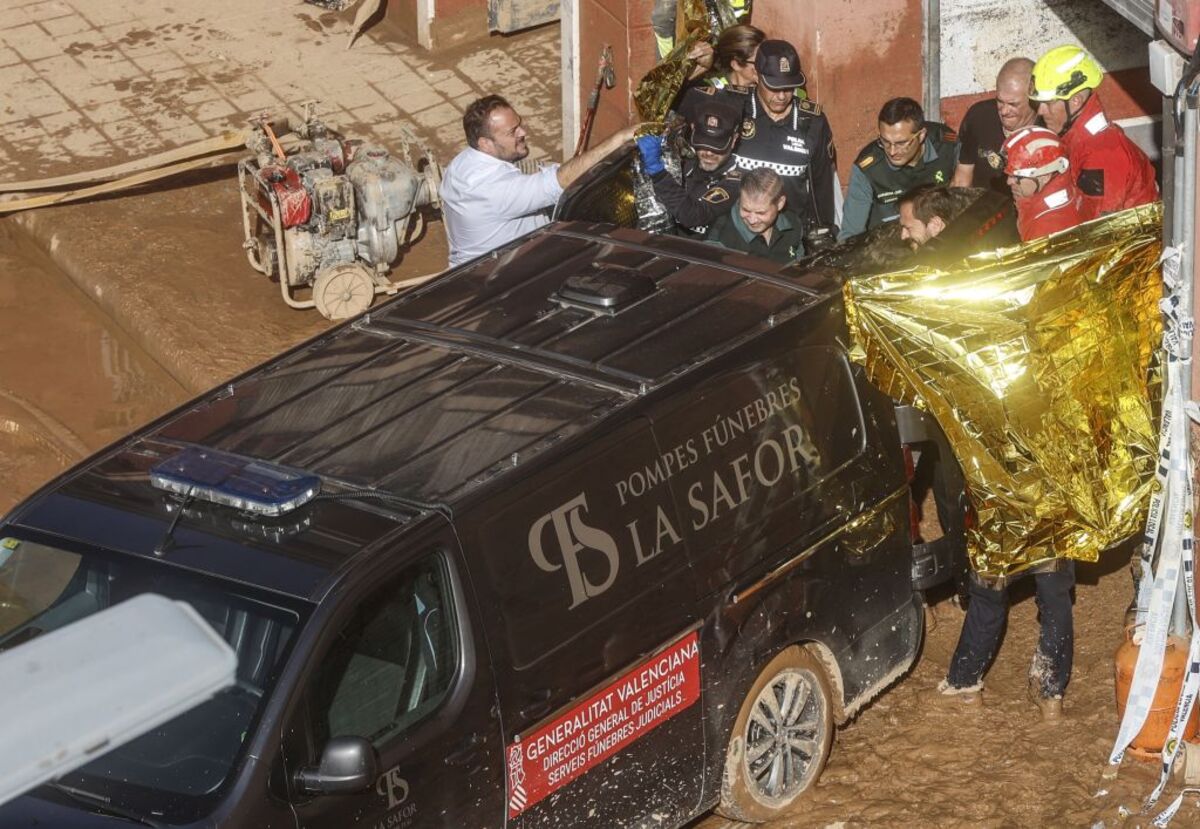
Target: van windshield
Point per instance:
(175, 772)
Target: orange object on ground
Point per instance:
(1148, 743)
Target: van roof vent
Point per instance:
(605, 289)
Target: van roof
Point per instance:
(451, 385)
(438, 391)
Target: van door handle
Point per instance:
(466, 751)
(539, 704)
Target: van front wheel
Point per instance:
(780, 740)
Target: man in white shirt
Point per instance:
(486, 200)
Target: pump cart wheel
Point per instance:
(343, 291)
(780, 741)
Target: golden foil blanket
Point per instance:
(657, 89)
(1040, 363)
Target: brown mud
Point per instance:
(115, 311)
(905, 761)
(71, 380)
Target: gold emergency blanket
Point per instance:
(658, 88)
(1039, 362)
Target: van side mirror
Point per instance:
(348, 765)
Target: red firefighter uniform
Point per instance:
(1058, 207)
(1111, 171)
(1039, 174)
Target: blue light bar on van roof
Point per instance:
(235, 481)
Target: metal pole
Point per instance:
(1183, 214)
(569, 72)
(1186, 231)
(931, 12)
(1178, 174)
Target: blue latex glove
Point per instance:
(650, 147)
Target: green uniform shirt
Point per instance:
(876, 185)
(786, 245)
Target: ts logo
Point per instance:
(394, 786)
(575, 541)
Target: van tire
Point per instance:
(747, 792)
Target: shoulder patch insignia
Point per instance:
(716, 195)
(811, 107)
(1091, 182)
(866, 162)
(748, 128)
(949, 135)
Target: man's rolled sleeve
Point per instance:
(488, 202)
(516, 194)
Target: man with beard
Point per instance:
(949, 223)
(790, 136)
(1110, 170)
(710, 180)
(1047, 201)
(987, 123)
(486, 200)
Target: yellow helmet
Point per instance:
(1062, 72)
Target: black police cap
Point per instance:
(778, 65)
(713, 127)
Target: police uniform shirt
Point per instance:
(876, 185)
(702, 197)
(799, 147)
(787, 241)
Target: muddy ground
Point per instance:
(905, 762)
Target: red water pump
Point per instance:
(332, 215)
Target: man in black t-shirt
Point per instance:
(989, 123)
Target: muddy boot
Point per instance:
(946, 695)
(1051, 707)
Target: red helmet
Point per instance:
(1032, 152)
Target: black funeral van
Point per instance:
(602, 529)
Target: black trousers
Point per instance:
(984, 625)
